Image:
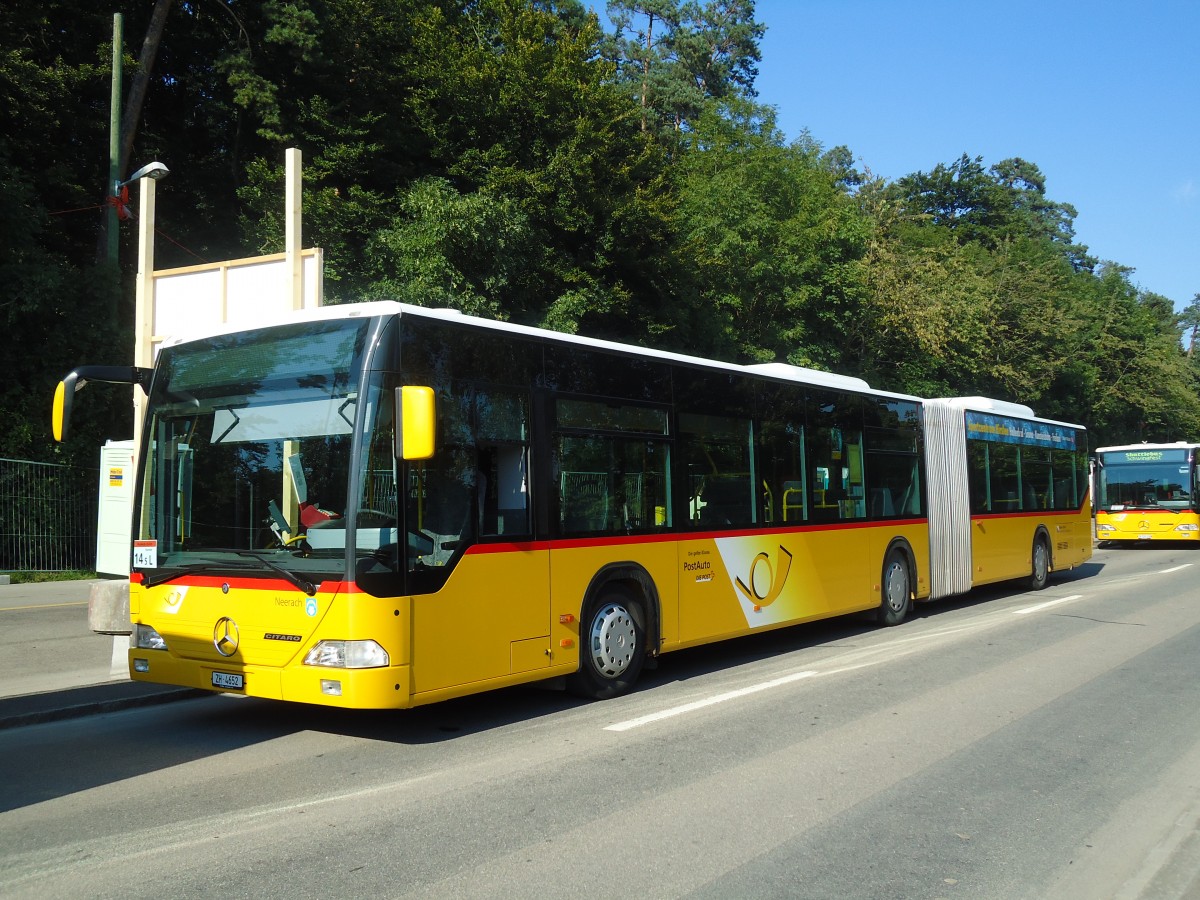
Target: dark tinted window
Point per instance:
(576, 370)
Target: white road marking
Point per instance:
(1176, 569)
(707, 701)
(1032, 609)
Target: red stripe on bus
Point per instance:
(677, 537)
(240, 583)
(1028, 513)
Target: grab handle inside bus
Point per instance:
(64, 393)
(417, 422)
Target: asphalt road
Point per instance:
(1003, 745)
(53, 666)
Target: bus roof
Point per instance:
(315, 314)
(1125, 448)
(998, 407)
(774, 371)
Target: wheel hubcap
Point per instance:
(896, 587)
(1039, 562)
(614, 640)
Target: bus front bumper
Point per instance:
(385, 687)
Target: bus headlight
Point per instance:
(146, 638)
(1103, 527)
(1187, 526)
(347, 655)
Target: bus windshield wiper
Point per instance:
(171, 573)
(162, 576)
(303, 583)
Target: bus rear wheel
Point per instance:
(1041, 564)
(612, 647)
(895, 588)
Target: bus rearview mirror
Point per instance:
(60, 413)
(64, 394)
(416, 422)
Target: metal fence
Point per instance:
(47, 517)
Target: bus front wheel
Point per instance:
(612, 647)
(895, 589)
(1041, 564)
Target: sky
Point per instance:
(1101, 95)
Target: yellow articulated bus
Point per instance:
(1009, 494)
(380, 505)
(1147, 492)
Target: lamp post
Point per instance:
(143, 313)
(153, 171)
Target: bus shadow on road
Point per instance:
(981, 596)
(454, 719)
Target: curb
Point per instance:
(53, 706)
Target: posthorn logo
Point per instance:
(766, 582)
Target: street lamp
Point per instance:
(154, 170)
(118, 203)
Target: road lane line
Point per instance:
(1176, 569)
(1032, 609)
(708, 701)
(43, 606)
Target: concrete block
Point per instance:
(108, 607)
(120, 657)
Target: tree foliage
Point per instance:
(513, 159)
(677, 56)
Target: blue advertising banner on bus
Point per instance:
(1005, 430)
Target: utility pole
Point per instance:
(111, 226)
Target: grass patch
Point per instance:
(40, 577)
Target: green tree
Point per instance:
(54, 97)
(1003, 203)
(1134, 382)
(506, 104)
(444, 248)
(1189, 318)
(926, 313)
(772, 240)
(676, 57)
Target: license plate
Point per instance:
(1145, 537)
(228, 681)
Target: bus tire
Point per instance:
(895, 589)
(1040, 573)
(612, 646)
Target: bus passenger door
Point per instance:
(488, 616)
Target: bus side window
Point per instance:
(979, 476)
(1036, 478)
(503, 490)
(612, 485)
(718, 454)
(1004, 481)
(779, 455)
(893, 469)
(502, 446)
(835, 455)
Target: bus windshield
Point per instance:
(1145, 479)
(248, 451)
